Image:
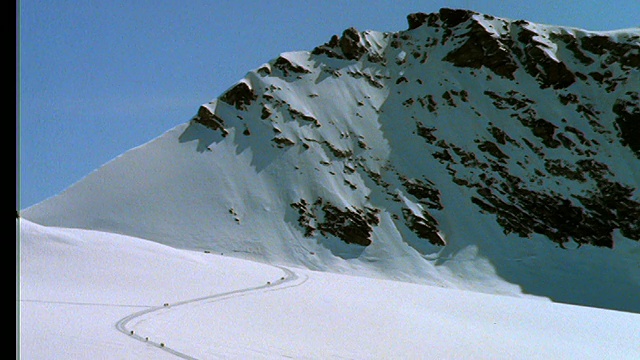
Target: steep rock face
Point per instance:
(540, 64)
(209, 119)
(408, 151)
(500, 168)
(349, 46)
(239, 96)
(353, 226)
(627, 109)
(484, 49)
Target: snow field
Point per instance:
(77, 284)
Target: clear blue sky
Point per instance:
(97, 78)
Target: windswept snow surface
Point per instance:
(82, 293)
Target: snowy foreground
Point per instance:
(83, 293)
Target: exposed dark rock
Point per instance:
(483, 49)
(408, 102)
(376, 58)
(339, 153)
(627, 54)
(288, 67)
(579, 134)
(426, 132)
(402, 79)
(522, 211)
(536, 149)
(541, 128)
(526, 212)
(565, 141)
(239, 96)
(448, 98)
(589, 112)
(265, 113)
(581, 76)
(501, 136)
(613, 206)
(454, 17)
(601, 77)
(307, 219)
(351, 44)
(443, 156)
(545, 131)
(429, 102)
(210, 120)
(329, 49)
(558, 167)
(493, 149)
(463, 94)
(466, 158)
(572, 44)
(424, 226)
(298, 115)
(546, 70)
(282, 141)
(416, 20)
(628, 122)
(351, 225)
(426, 193)
(568, 99)
(513, 100)
(373, 80)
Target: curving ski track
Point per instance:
(121, 325)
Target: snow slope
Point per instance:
(467, 152)
(77, 286)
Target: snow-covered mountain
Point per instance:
(467, 151)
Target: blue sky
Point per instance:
(97, 78)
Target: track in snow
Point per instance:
(121, 325)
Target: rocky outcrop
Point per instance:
(240, 96)
(287, 67)
(210, 120)
(548, 71)
(627, 110)
(454, 17)
(446, 16)
(483, 49)
(416, 20)
(351, 225)
(626, 54)
(426, 192)
(349, 46)
(329, 49)
(424, 226)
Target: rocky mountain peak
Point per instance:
(504, 46)
(498, 165)
(445, 17)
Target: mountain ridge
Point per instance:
(460, 152)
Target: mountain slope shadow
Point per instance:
(200, 133)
